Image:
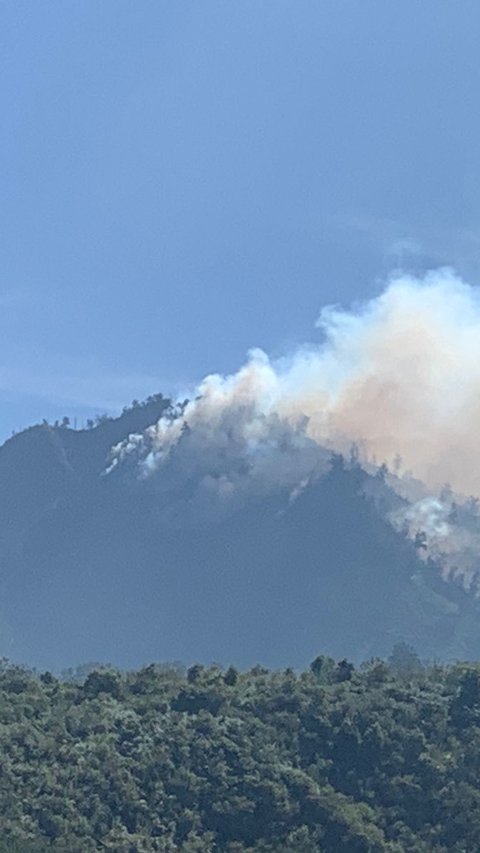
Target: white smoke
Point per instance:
(429, 516)
(227, 443)
(448, 533)
(399, 376)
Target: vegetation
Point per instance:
(382, 758)
(87, 557)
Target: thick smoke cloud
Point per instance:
(399, 376)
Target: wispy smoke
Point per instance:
(446, 532)
(399, 376)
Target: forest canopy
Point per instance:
(381, 758)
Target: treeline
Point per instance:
(155, 402)
(334, 759)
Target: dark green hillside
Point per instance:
(385, 758)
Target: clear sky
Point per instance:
(181, 181)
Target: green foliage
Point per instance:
(339, 760)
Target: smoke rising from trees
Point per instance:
(398, 375)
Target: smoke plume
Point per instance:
(399, 376)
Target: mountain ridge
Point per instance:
(116, 568)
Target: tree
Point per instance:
(404, 661)
(102, 681)
(344, 670)
(231, 676)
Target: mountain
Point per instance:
(117, 567)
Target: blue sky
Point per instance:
(181, 181)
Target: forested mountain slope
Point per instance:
(119, 568)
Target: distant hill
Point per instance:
(112, 568)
